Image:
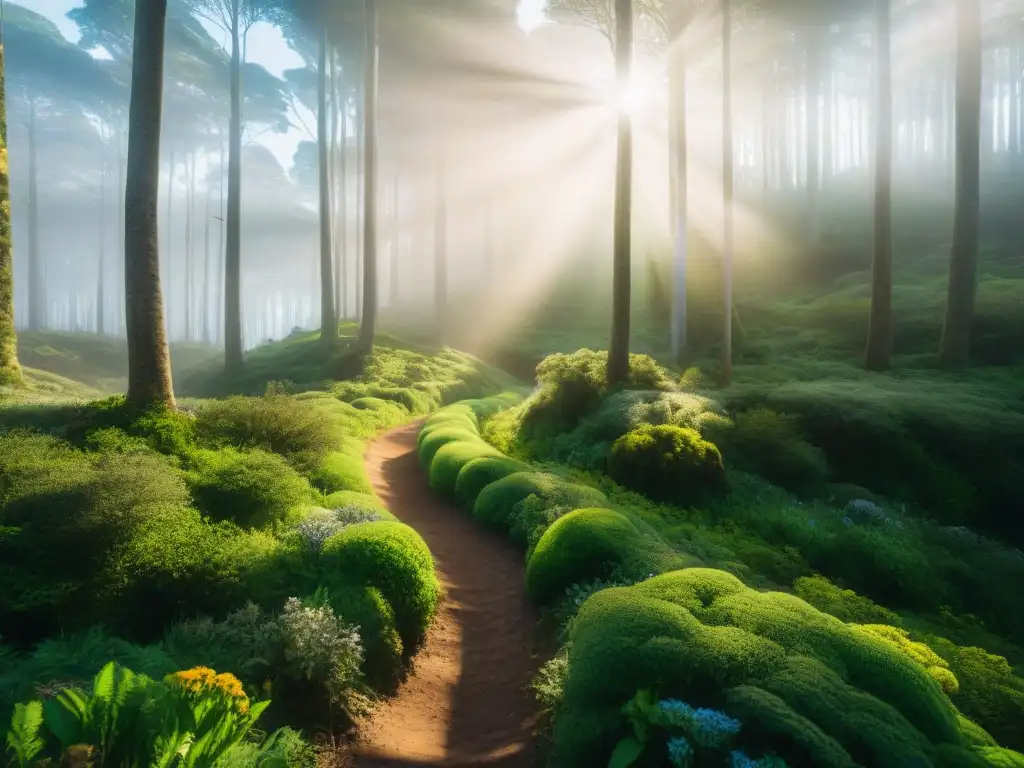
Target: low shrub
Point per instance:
(770, 444)
(845, 604)
(342, 471)
(367, 609)
(357, 499)
(818, 691)
(439, 438)
(254, 489)
(667, 463)
(449, 460)
(393, 558)
(296, 429)
(594, 544)
(496, 503)
(936, 667)
(477, 474)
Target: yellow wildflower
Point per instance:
(201, 680)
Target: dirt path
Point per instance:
(464, 703)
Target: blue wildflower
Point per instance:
(847, 521)
(739, 760)
(675, 707)
(712, 728)
(679, 751)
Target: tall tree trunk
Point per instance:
(205, 300)
(101, 326)
(815, 65)
(396, 241)
(368, 321)
(337, 190)
(165, 264)
(879, 347)
(680, 201)
(618, 350)
(343, 217)
(10, 371)
(149, 363)
(956, 333)
(37, 310)
(233, 344)
(728, 192)
(440, 237)
(122, 316)
(328, 320)
(190, 194)
(360, 199)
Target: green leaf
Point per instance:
(23, 738)
(63, 716)
(626, 752)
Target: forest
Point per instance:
(520, 383)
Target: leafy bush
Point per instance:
(449, 460)
(356, 499)
(365, 608)
(480, 472)
(342, 471)
(321, 524)
(296, 429)
(320, 646)
(770, 444)
(254, 489)
(440, 437)
(133, 721)
(594, 544)
(819, 691)
(393, 558)
(667, 463)
(572, 386)
(936, 667)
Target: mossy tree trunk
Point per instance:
(963, 263)
(149, 363)
(10, 371)
(618, 350)
(879, 347)
(328, 318)
(36, 281)
(368, 320)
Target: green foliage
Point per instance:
(845, 604)
(820, 687)
(190, 719)
(342, 471)
(572, 387)
(594, 543)
(393, 558)
(297, 430)
(478, 473)
(936, 667)
(320, 647)
(254, 489)
(284, 748)
(497, 504)
(438, 438)
(449, 460)
(355, 499)
(366, 608)
(667, 463)
(770, 444)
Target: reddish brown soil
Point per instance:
(464, 703)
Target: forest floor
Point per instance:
(465, 702)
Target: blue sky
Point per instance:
(266, 47)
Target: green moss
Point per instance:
(844, 604)
(770, 444)
(496, 503)
(480, 472)
(356, 499)
(449, 461)
(593, 544)
(667, 463)
(827, 694)
(434, 441)
(342, 471)
(393, 558)
(251, 488)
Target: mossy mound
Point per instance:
(439, 438)
(367, 608)
(342, 471)
(477, 474)
(393, 558)
(496, 503)
(817, 690)
(358, 500)
(594, 544)
(449, 461)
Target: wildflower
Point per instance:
(739, 760)
(847, 521)
(713, 729)
(203, 680)
(679, 751)
(675, 707)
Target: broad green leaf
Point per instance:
(626, 752)
(63, 716)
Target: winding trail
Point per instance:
(464, 702)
